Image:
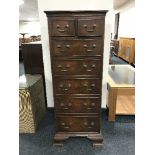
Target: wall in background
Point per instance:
(127, 19)
(44, 5)
(127, 23)
(30, 27)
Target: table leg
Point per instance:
(112, 103)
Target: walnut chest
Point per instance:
(76, 48)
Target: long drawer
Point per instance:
(77, 86)
(78, 123)
(72, 104)
(77, 67)
(76, 47)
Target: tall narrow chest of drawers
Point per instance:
(76, 48)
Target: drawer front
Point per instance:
(68, 104)
(77, 86)
(77, 67)
(77, 124)
(94, 27)
(62, 28)
(81, 47)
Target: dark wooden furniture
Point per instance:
(76, 47)
(33, 60)
(127, 49)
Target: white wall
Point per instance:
(127, 23)
(31, 27)
(44, 5)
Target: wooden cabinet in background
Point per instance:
(127, 49)
(33, 60)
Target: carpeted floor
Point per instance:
(117, 60)
(119, 139)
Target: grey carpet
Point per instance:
(119, 139)
(117, 60)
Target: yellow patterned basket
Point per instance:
(31, 104)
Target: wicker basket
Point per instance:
(31, 104)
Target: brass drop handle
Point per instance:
(62, 30)
(69, 104)
(92, 104)
(93, 66)
(61, 104)
(85, 26)
(64, 70)
(88, 70)
(65, 108)
(67, 46)
(85, 104)
(59, 66)
(66, 26)
(89, 50)
(85, 46)
(84, 65)
(89, 89)
(91, 125)
(85, 84)
(65, 89)
(93, 85)
(85, 123)
(88, 108)
(89, 30)
(69, 85)
(66, 126)
(58, 46)
(94, 45)
(61, 85)
(68, 66)
(63, 124)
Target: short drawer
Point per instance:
(69, 104)
(77, 86)
(62, 27)
(90, 27)
(77, 47)
(77, 67)
(78, 124)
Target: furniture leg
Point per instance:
(112, 103)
